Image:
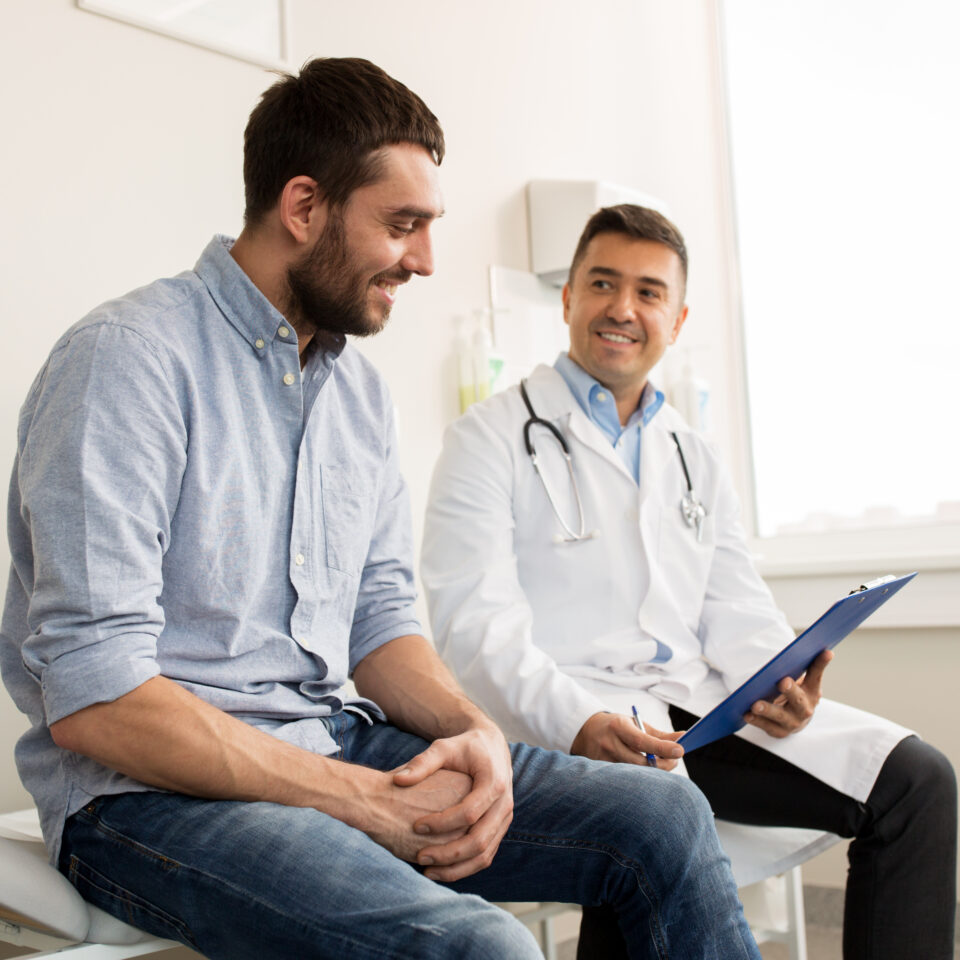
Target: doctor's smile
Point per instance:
(617, 337)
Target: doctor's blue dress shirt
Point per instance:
(186, 502)
(598, 403)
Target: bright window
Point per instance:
(845, 144)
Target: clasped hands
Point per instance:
(450, 806)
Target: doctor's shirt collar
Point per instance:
(597, 401)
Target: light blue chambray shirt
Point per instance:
(185, 502)
(598, 403)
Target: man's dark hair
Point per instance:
(329, 123)
(640, 223)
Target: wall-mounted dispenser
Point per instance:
(558, 211)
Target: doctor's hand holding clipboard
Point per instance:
(793, 709)
(774, 702)
(619, 739)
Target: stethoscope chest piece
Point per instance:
(694, 513)
(691, 507)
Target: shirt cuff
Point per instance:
(380, 629)
(574, 718)
(97, 674)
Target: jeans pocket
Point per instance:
(102, 892)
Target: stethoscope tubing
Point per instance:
(691, 508)
(534, 420)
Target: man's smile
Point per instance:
(614, 336)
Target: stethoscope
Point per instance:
(691, 507)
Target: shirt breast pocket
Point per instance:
(349, 512)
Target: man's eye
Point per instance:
(650, 294)
(601, 284)
(402, 229)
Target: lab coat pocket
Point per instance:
(684, 559)
(349, 508)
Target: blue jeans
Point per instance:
(239, 880)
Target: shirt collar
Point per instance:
(241, 302)
(587, 391)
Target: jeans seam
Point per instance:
(636, 868)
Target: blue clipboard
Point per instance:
(840, 620)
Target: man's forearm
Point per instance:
(164, 736)
(410, 683)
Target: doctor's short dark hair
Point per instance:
(330, 122)
(640, 223)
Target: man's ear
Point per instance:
(302, 209)
(565, 297)
(678, 323)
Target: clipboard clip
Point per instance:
(889, 578)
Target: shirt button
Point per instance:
(284, 332)
(299, 559)
(289, 379)
(601, 396)
(258, 343)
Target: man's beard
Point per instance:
(327, 294)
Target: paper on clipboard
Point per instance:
(839, 621)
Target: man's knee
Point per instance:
(657, 808)
(938, 775)
(916, 767)
(916, 789)
(485, 932)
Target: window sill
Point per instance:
(808, 572)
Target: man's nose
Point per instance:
(623, 307)
(418, 257)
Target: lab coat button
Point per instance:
(289, 379)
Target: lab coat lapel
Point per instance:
(552, 399)
(657, 616)
(657, 451)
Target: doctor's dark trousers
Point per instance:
(901, 895)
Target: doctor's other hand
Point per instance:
(614, 737)
(794, 708)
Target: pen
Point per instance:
(651, 757)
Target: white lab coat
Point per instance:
(544, 634)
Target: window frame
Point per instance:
(825, 561)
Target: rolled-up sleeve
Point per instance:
(101, 455)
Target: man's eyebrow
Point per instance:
(610, 272)
(415, 213)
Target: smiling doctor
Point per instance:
(583, 554)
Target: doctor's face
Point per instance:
(624, 306)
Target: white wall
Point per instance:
(122, 155)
